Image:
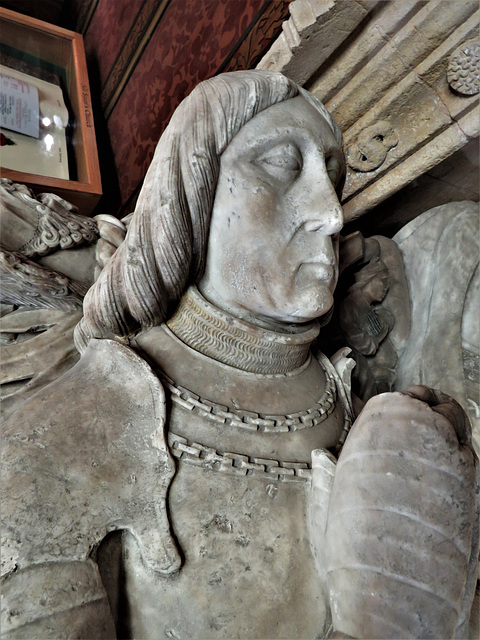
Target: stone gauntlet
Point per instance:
(402, 530)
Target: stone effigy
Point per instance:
(180, 480)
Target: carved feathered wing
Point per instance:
(25, 283)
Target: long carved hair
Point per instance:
(164, 249)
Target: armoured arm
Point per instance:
(56, 600)
(71, 476)
(402, 532)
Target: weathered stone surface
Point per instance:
(26, 283)
(50, 255)
(370, 149)
(38, 226)
(230, 260)
(452, 180)
(51, 232)
(44, 600)
(463, 73)
(37, 348)
(70, 485)
(441, 253)
(427, 157)
(314, 30)
(392, 68)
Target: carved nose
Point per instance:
(329, 221)
(330, 211)
(335, 219)
(326, 212)
(326, 251)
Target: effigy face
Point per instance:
(273, 244)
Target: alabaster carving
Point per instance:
(441, 252)
(373, 311)
(49, 256)
(420, 488)
(38, 226)
(366, 325)
(181, 480)
(50, 231)
(23, 281)
(373, 61)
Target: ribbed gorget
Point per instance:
(237, 343)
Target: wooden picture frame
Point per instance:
(62, 49)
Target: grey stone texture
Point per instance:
(181, 480)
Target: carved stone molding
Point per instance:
(313, 32)
(387, 62)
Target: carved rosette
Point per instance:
(463, 72)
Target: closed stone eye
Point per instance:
(283, 157)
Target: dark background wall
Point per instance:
(144, 57)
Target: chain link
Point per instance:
(199, 455)
(250, 420)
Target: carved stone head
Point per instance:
(287, 154)
(273, 245)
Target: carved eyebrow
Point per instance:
(274, 136)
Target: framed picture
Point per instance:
(47, 136)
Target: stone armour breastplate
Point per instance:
(240, 501)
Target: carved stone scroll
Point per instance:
(371, 147)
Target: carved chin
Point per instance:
(311, 305)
